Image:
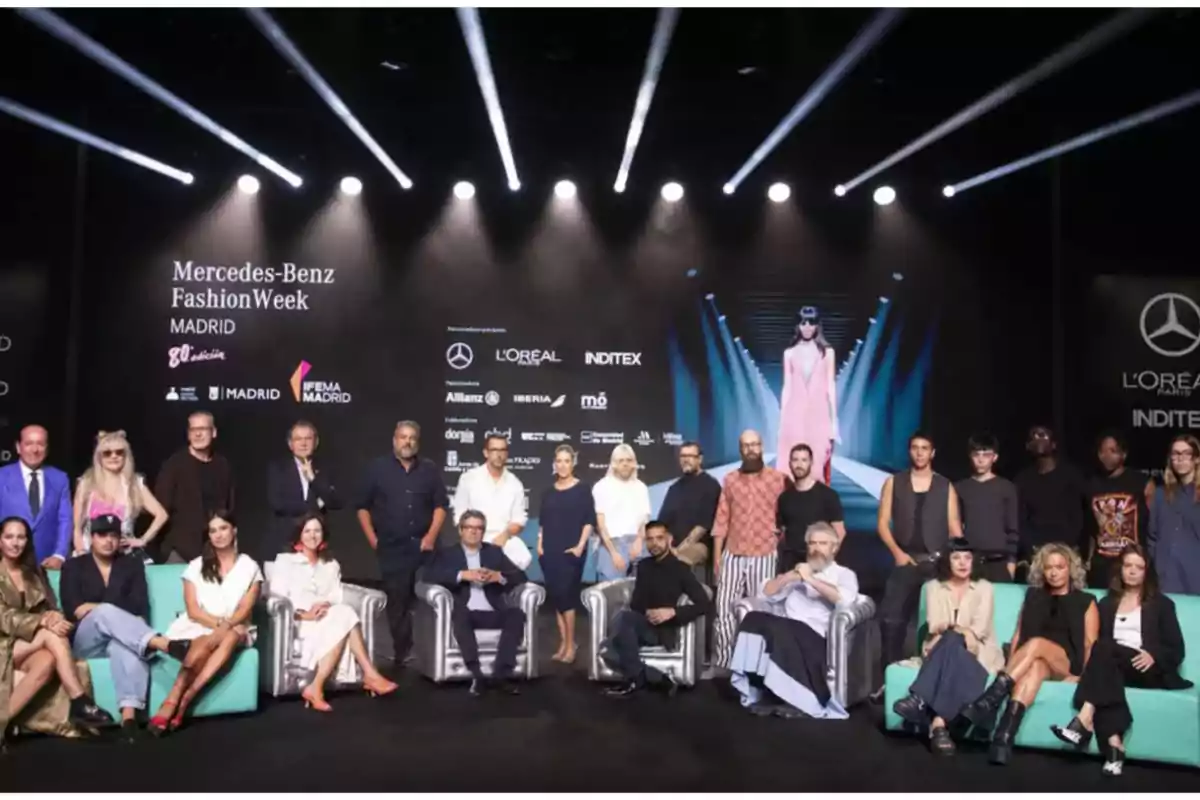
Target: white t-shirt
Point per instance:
(1127, 629)
(624, 504)
(501, 501)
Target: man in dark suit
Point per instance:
(295, 488)
(478, 575)
(191, 485)
(40, 495)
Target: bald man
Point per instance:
(745, 538)
(40, 495)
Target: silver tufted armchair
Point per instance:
(279, 648)
(436, 649)
(604, 600)
(848, 654)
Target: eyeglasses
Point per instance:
(1182, 454)
(472, 527)
(497, 449)
(111, 453)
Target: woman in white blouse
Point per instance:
(220, 589)
(312, 581)
(622, 511)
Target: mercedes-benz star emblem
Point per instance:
(1171, 326)
(459, 355)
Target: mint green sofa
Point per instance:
(233, 692)
(1166, 724)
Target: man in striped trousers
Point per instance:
(745, 541)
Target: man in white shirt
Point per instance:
(779, 660)
(500, 495)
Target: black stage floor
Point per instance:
(559, 735)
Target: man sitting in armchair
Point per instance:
(478, 574)
(654, 615)
(779, 662)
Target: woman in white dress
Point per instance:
(220, 589)
(312, 581)
(113, 486)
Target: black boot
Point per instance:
(1006, 733)
(982, 713)
(1074, 734)
(1114, 759)
(86, 714)
(913, 709)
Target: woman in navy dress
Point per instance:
(567, 519)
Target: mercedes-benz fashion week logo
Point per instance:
(1165, 308)
(459, 355)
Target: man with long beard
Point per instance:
(779, 662)
(744, 537)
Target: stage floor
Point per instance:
(560, 735)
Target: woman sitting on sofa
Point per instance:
(960, 647)
(1055, 632)
(1140, 645)
(219, 591)
(312, 581)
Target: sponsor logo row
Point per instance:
(303, 390)
(460, 356)
(587, 402)
(468, 436)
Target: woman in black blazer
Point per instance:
(1140, 645)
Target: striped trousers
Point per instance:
(741, 576)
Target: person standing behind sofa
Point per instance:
(191, 485)
(40, 495)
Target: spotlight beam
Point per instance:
(1112, 129)
(275, 35)
(472, 28)
(862, 44)
(39, 119)
(63, 30)
(664, 27)
(1085, 45)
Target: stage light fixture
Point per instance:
(867, 38)
(472, 28)
(948, 191)
(885, 195)
(1085, 45)
(721, 318)
(1112, 129)
(663, 28)
(728, 188)
(565, 190)
(779, 192)
(839, 190)
(248, 184)
(897, 276)
(884, 300)
(275, 35)
(871, 320)
(691, 273)
(464, 190)
(60, 28)
(710, 296)
(71, 132)
(351, 186)
(737, 339)
(672, 192)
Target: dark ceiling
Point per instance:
(567, 81)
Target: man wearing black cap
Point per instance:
(104, 595)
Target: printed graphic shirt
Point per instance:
(746, 512)
(1119, 515)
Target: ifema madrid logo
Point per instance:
(323, 392)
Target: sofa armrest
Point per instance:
(745, 605)
(367, 602)
(275, 641)
(528, 597)
(841, 627)
(436, 596)
(602, 602)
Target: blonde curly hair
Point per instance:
(1037, 569)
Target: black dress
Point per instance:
(1059, 618)
(563, 514)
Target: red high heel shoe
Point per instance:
(313, 700)
(162, 724)
(377, 687)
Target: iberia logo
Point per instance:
(298, 376)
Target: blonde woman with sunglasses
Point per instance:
(113, 486)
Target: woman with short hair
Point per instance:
(622, 511)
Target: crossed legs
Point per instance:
(1034, 662)
(205, 658)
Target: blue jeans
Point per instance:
(114, 633)
(604, 563)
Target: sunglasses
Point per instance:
(111, 453)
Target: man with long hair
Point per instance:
(1174, 534)
(808, 398)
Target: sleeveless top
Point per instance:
(1058, 618)
(920, 524)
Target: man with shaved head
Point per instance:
(40, 495)
(745, 537)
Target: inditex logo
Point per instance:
(527, 358)
(321, 392)
(613, 359)
(1174, 418)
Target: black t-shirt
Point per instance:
(1118, 512)
(796, 510)
(1051, 506)
(208, 485)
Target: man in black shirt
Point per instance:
(1117, 499)
(690, 506)
(192, 484)
(653, 617)
(401, 509)
(806, 501)
(989, 512)
(1051, 494)
(104, 594)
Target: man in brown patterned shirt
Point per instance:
(745, 540)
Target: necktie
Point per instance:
(35, 494)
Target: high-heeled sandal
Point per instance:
(570, 657)
(377, 687)
(313, 700)
(162, 724)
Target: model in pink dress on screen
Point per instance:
(808, 403)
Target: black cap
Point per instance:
(105, 523)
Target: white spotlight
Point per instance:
(564, 190)
(948, 191)
(839, 190)
(514, 186)
(248, 184)
(672, 192)
(779, 192)
(885, 195)
(464, 190)
(728, 188)
(351, 186)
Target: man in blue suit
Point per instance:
(40, 495)
(478, 574)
